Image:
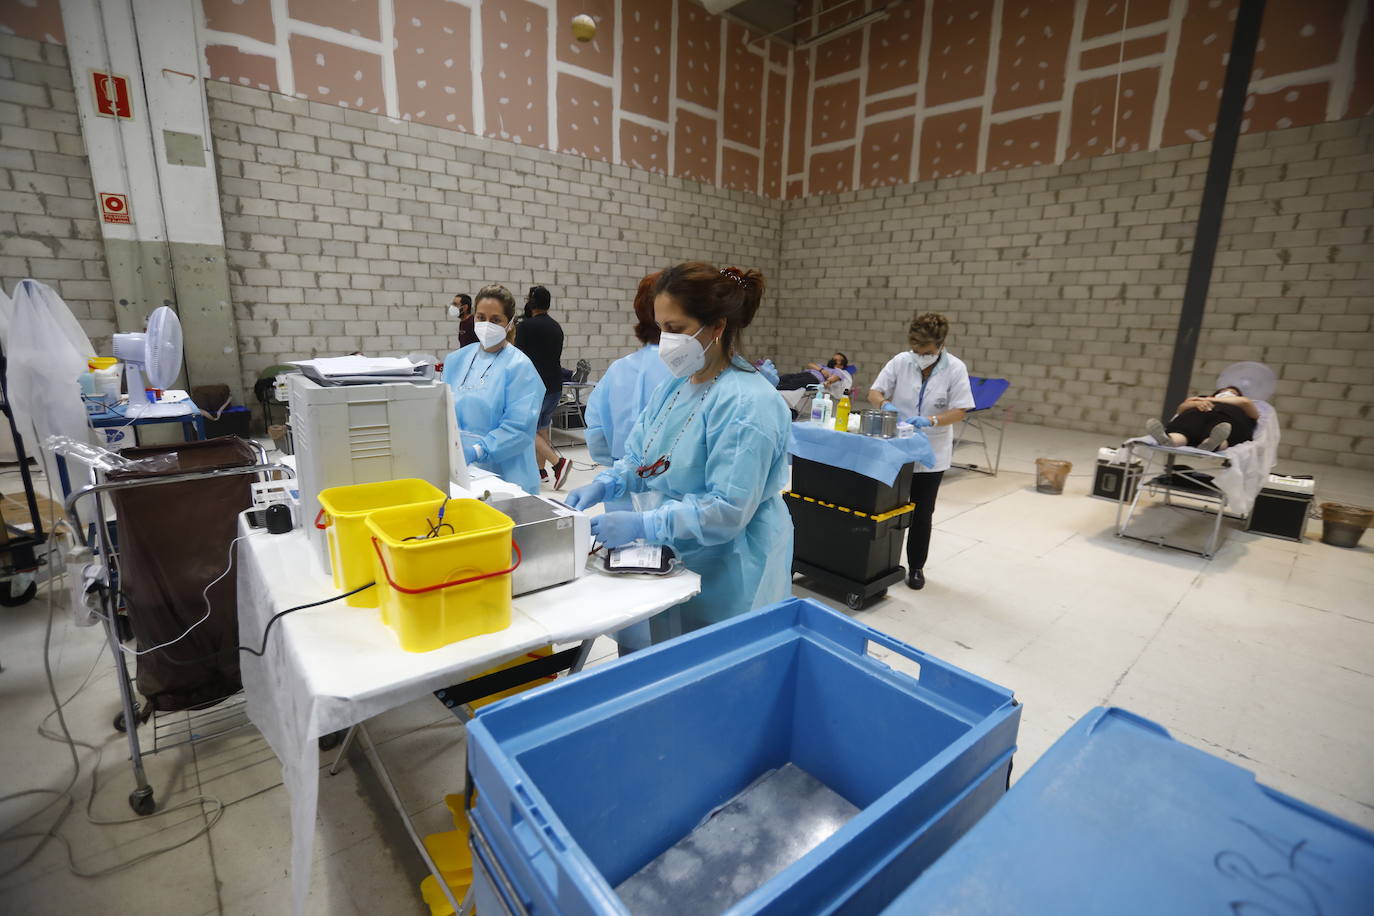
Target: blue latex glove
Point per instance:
(616, 529)
(588, 496)
(919, 422)
(887, 405)
(470, 454)
(769, 371)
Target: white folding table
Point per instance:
(329, 668)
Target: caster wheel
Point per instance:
(143, 713)
(10, 598)
(142, 801)
(854, 600)
(330, 741)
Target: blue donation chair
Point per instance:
(983, 419)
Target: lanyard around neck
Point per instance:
(462, 386)
(925, 379)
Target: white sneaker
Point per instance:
(1216, 438)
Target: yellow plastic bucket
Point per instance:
(343, 517)
(438, 590)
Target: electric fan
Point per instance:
(155, 354)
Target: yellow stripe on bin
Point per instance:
(891, 513)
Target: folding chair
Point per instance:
(569, 414)
(986, 393)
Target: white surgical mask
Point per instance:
(489, 333)
(925, 360)
(454, 312)
(681, 353)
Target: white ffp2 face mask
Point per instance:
(454, 312)
(681, 353)
(925, 360)
(489, 333)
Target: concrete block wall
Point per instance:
(48, 216)
(350, 231)
(1294, 283)
(1067, 280)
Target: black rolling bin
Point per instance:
(848, 529)
(843, 487)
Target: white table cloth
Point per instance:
(334, 666)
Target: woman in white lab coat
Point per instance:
(496, 394)
(928, 386)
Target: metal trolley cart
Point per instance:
(196, 718)
(1182, 487)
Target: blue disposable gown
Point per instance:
(616, 403)
(722, 510)
(497, 404)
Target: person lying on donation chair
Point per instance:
(1210, 422)
(834, 375)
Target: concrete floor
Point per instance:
(1263, 655)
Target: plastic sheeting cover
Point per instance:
(880, 459)
(1256, 381)
(740, 846)
(47, 352)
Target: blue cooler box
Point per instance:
(581, 784)
(1117, 817)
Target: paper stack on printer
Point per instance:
(363, 370)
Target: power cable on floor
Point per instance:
(63, 796)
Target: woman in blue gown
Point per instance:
(706, 462)
(614, 406)
(624, 390)
(496, 394)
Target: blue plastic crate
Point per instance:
(1117, 817)
(582, 784)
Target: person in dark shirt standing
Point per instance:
(461, 309)
(541, 339)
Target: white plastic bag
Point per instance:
(47, 352)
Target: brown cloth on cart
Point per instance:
(174, 540)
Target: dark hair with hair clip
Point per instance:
(709, 295)
(463, 298)
(646, 328)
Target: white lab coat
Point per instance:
(947, 388)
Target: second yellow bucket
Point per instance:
(439, 587)
(343, 516)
